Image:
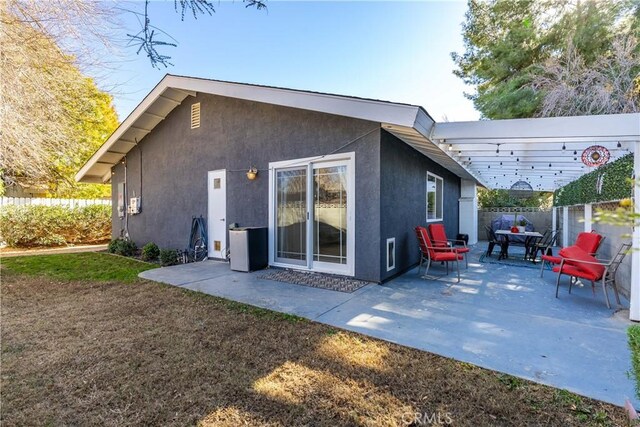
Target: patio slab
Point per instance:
(499, 317)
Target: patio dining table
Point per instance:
(530, 237)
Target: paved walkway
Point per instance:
(50, 251)
(499, 317)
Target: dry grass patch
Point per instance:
(83, 352)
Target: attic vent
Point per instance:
(195, 115)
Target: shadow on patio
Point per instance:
(499, 317)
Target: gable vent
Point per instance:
(195, 115)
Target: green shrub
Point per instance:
(35, 225)
(124, 247)
(168, 257)
(634, 344)
(113, 246)
(150, 252)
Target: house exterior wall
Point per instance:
(403, 199)
(234, 135)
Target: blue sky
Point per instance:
(396, 51)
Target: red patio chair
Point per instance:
(589, 242)
(577, 263)
(435, 254)
(439, 239)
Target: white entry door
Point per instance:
(217, 217)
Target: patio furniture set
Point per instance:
(577, 261)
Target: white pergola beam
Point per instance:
(542, 156)
(586, 128)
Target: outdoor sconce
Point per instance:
(252, 173)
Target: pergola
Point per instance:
(546, 153)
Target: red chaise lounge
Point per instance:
(577, 263)
(589, 242)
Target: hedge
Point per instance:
(616, 185)
(34, 225)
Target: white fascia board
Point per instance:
(576, 127)
(425, 126)
(365, 109)
(124, 126)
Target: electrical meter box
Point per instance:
(134, 206)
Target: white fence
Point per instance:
(71, 203)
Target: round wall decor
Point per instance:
(596, 155)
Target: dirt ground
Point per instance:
(108, 353)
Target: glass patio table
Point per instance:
(530, 237)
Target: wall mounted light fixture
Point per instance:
(252, 173)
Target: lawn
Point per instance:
(85, 342)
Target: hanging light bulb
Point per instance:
(450, 147)
(549, 164)
(619, 144)
(498, 149)
(564, 147)
(512, 152)
(575, 152)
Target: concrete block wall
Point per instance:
(541, 218)
(576, 224)
(615, 236)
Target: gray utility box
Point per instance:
(249, 248)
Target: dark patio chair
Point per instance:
(439, 240)
(544, 245)
(577, 263)
(493, 241)
(431, 253)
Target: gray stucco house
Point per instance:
(341, 182)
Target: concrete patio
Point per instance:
(499, 317)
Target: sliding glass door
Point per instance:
(312, 221)
(291, 216)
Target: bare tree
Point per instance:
(608, 86)
(148, 39)
(40, 83)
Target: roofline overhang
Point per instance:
(359, 108)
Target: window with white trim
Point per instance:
(435, 186)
